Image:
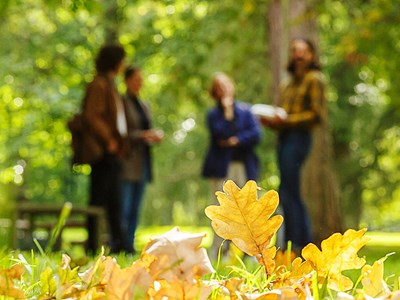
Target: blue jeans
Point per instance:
(132, 195)
(293, 149)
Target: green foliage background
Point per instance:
(47, 57)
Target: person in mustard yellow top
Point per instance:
(302, 97)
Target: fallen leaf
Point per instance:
(67, 276)
(284, 258)
(246, 220)
(185, 258)
(95, 279)
(179, 290)
(277, 294)
(344, 296)
(100, 272)
(233, 285)
(129, 283)
(298, 274)
(7, 277)
(338, 253)
(372, 280)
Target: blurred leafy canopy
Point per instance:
(47, 59)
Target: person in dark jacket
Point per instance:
(234, 134)
(137, 166)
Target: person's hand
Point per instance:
(151, 136)
(233, 141)
(274, 123)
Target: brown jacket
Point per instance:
(100, 112)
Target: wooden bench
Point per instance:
(35, 216)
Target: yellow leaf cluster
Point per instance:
(338, 253)
(249, 223)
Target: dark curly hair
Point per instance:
(109, 57)
(314, 64)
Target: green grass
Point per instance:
(379, 244)
(384, 239)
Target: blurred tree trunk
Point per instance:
(113, 17)
(319, 183)
(275, 36)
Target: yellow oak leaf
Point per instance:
(100, 272)
(338, 253)
(185, 258)
(179, 290)
(246, 220)
(7, 277)
(96, 278)
(129, 283)
(299, 274)
(372, 281)
(284, 258)
(233, 286)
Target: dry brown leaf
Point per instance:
(338, 253)
(7, 277)
(180, 255)
(246, 220)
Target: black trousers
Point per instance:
(105, 192)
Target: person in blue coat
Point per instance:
(234, 135)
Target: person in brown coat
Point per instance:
(105, 117)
